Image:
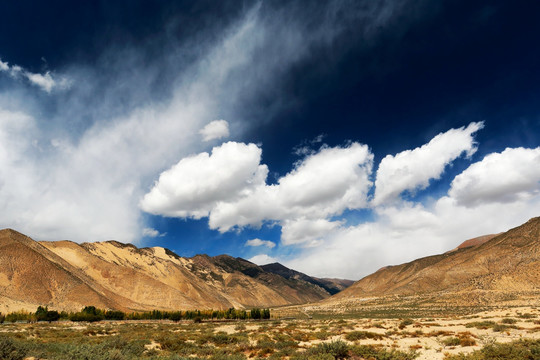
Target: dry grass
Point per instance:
(407, 337)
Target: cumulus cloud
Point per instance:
(321, 185)
(194, 186)
(263, 259)
(509, 176)
(4, 66)
(150, 232)
(404, 230)
(413, 169)
(217, 129)
(259, 242)
(230, 188)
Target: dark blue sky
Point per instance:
(108, 95)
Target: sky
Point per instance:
(334, 137)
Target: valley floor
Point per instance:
(318, 337)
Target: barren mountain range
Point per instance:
(481, 271)
(66, 275)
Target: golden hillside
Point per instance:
(504, 266)
(67, 276)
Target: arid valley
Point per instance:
(477, 301)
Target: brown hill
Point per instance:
(475, 241)
(67, 276)
(502, 267)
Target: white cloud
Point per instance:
(509, 176)
(490, 196)
(407, 232)
(308, 232)
(44, 81)
(259, 242)
(263, 259)
(321, 185)
(194, 186)
(4, 66)
(413, 169)
(217, 129)
(78, 169)
(230, 188)
(150, 232)
(117, 135)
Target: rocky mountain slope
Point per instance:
(482, 271)
(65, 275)
(332, 286)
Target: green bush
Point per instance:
(338, 349)
(451, 341)
(360, 335)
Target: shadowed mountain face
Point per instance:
(67, 276)
(508, 263)
(332, 286)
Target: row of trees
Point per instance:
(91, 313)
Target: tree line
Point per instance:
(91, 314)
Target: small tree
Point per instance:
(44, 314)
(41, 313)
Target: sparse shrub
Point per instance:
(370, 352)
(481, 324)
(466, 341)
(451, 341)
(501, 327)
(526, 316)
(11, 350)
(405, 323)
(360, 335)
(508, 321)
(240, 327)
(518, 350)
(338, 349)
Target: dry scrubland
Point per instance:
(512, 333)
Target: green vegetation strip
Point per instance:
(92, 314)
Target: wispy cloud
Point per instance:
(77, 164)
(45, 81)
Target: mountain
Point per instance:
(67, 276)
(475, 241)
(486, 270)
(332, 286)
